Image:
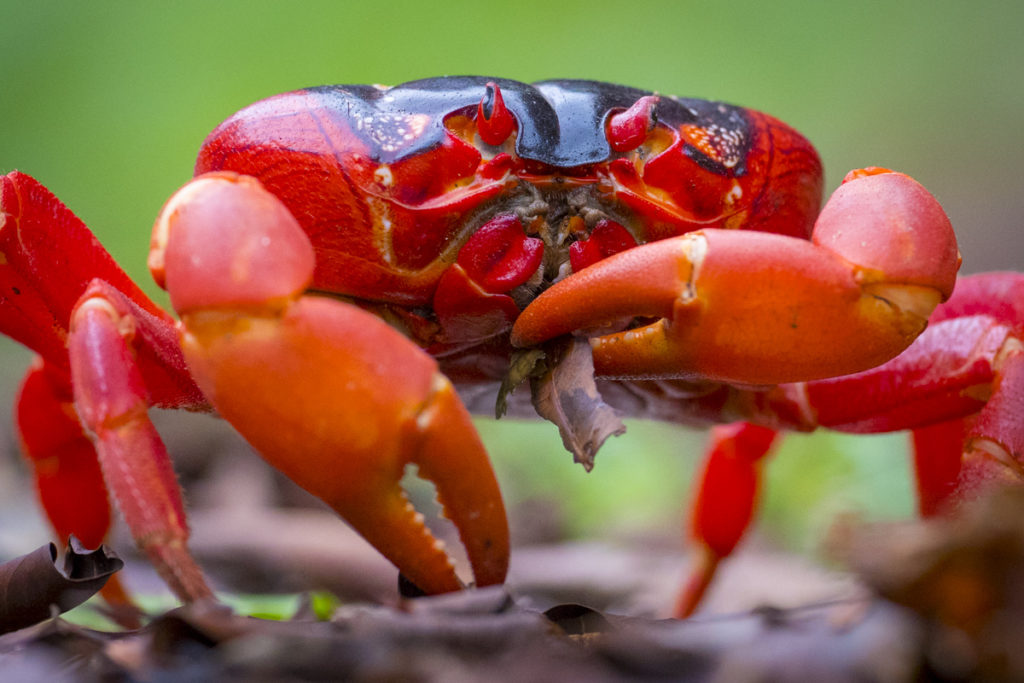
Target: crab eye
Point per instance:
(494, 122)
(628, 129)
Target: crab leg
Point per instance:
(68, 477)
(69, 481)
(94, 329)
(959, 388)
(724, 506)
(327, 393)
(759, 308)
(938, 455)
(111, 401)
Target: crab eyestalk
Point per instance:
(493, 119)
(327, 393)
(628, 129)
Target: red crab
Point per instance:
(347, 253)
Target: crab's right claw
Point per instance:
(758, 308)
(332, 396)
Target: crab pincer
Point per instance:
(758, 308)
(327, 393)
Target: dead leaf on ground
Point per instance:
(484, 635)
(32, 585)
(963, 572)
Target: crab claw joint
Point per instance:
(758, 308)
(327, 393)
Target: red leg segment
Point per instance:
(68, 477)
(49, 259)
(994, 449)
(63, 460)
(111, 399)
(727, 493)
(938, 454)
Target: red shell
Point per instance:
(390, 183)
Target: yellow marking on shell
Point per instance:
(734, 195)
(694, 249)
(384, 176)
(381, 230)
(978, 392)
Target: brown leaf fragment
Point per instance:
(32, 583)
(567, 395)
(58, 651)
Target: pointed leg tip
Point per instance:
(696, 585)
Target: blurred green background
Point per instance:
(107, 103)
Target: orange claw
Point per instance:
(327, 393)
(760, 308)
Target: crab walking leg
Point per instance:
(49, 260)
(750, 307)
(938, 454)
(111, 400)
(332, 396)
(65, 468)
(725, 502)
(68, 478)
(959, 387)
(954, 456)
(994, 443)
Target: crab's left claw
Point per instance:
(327, 393)
(758, 308)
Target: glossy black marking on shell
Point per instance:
(488, 102)
(561, 123)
